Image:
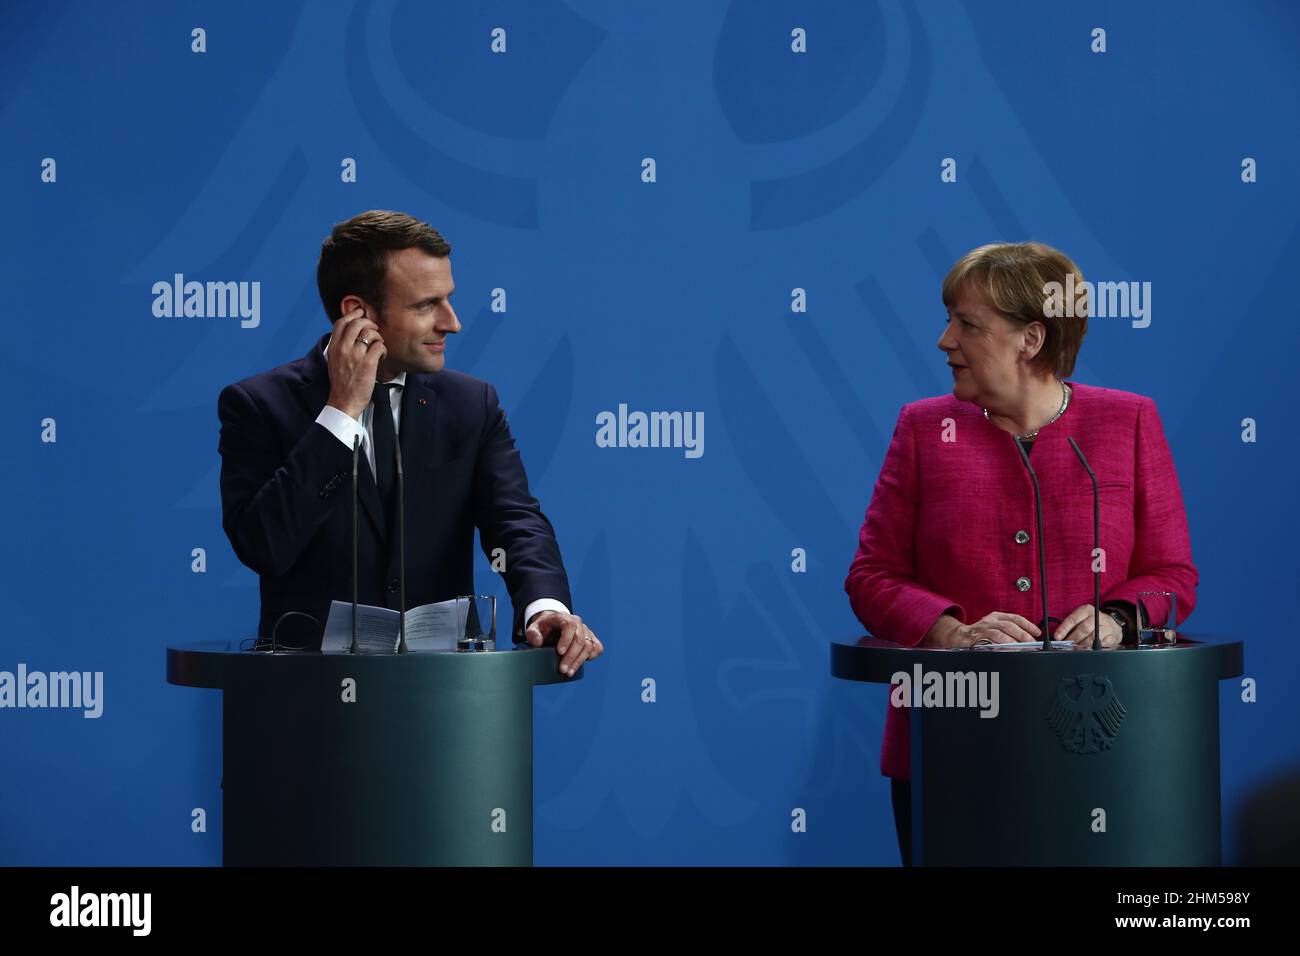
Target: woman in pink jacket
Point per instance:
(947, 555)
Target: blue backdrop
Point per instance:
(774, 170)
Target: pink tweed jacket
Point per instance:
(951, 528)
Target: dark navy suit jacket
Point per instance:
(286, 492)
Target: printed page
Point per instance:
(376, 628)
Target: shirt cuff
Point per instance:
(341, 425)
(543, 604)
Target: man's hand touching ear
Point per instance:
(574, 642)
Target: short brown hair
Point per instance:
(354, 257)
(1013, 278)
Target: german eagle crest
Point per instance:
(1086, 713)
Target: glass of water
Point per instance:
(1157, 618)
(476, 622)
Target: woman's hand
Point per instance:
(1077, 627)
(998, 627)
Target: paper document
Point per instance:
(429, 627)
(1016, 646)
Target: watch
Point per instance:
(1123, 624)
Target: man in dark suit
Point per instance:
(378, 379)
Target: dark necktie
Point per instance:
(385, 444)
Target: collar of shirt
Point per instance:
(399, 379)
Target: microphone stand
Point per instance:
(1042, 559)
(401, 548)
(1096, 537)
(356, 445)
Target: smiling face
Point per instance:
(417, 315)
(988, 353)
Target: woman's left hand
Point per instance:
(1077, 627)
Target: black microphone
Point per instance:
(356, 445)
(1042, 560)
(401, 550)
(1096, 537)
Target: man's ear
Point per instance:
(350, 302)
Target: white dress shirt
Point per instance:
(345, 428)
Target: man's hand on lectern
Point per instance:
(574, 642)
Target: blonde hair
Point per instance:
(1013, 278)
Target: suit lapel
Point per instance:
(419, 413)
(314, 392)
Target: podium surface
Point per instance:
(417, 759)
(1094, 758)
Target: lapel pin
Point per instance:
(423, 402)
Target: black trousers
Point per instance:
(900, 793)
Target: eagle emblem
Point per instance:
(1086, 713)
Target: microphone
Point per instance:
(356, 446)
(401, 550)
(1096, 536)
(1042, 560)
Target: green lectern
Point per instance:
(335, 759)
(1094, 758)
